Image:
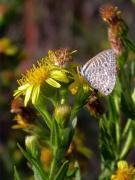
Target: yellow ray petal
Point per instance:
(35, 94)
(23, 87)
(28, 94)
(60, 76)
(53, 83)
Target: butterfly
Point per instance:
(100, 71)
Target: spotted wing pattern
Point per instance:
(100, 71)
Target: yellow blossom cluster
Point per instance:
(124, 172)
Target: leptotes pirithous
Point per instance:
(100, 71)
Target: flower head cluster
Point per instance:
(117, 27)
(6, 47)
(110, 13)
(60, 57)
(124, 172)
(37, 77)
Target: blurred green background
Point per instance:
(28, 29)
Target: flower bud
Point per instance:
(32, 146)
(62, 114)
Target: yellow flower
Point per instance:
(79, 82)
(124, 172)
(37, 77)
(6, 47)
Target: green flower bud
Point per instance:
(62, 114)
(32, 146)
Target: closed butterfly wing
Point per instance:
(100, 71)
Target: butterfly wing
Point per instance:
(100, 71)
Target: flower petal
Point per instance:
(23, 87)
(17, 93)
(28, 94)
(59, 75)
(35, 94)
(53, 83)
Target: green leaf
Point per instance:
(16, 174)
(113, 116)
(105, 175)
(72, 173)
(107, 140)
(55, 135)
(67, 136)
(127, 145)
(37, 168)
(127, 128)
(127, 105)
(77, 173)
(62, 171)
(125, 78)
(129, 44)
(37, 175)
(40, 106)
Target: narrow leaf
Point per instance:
(37, 168)
(55, 136)
(62, 171)
(78, 173)
(16, 174)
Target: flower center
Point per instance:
(36, 75)
(124, 174)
